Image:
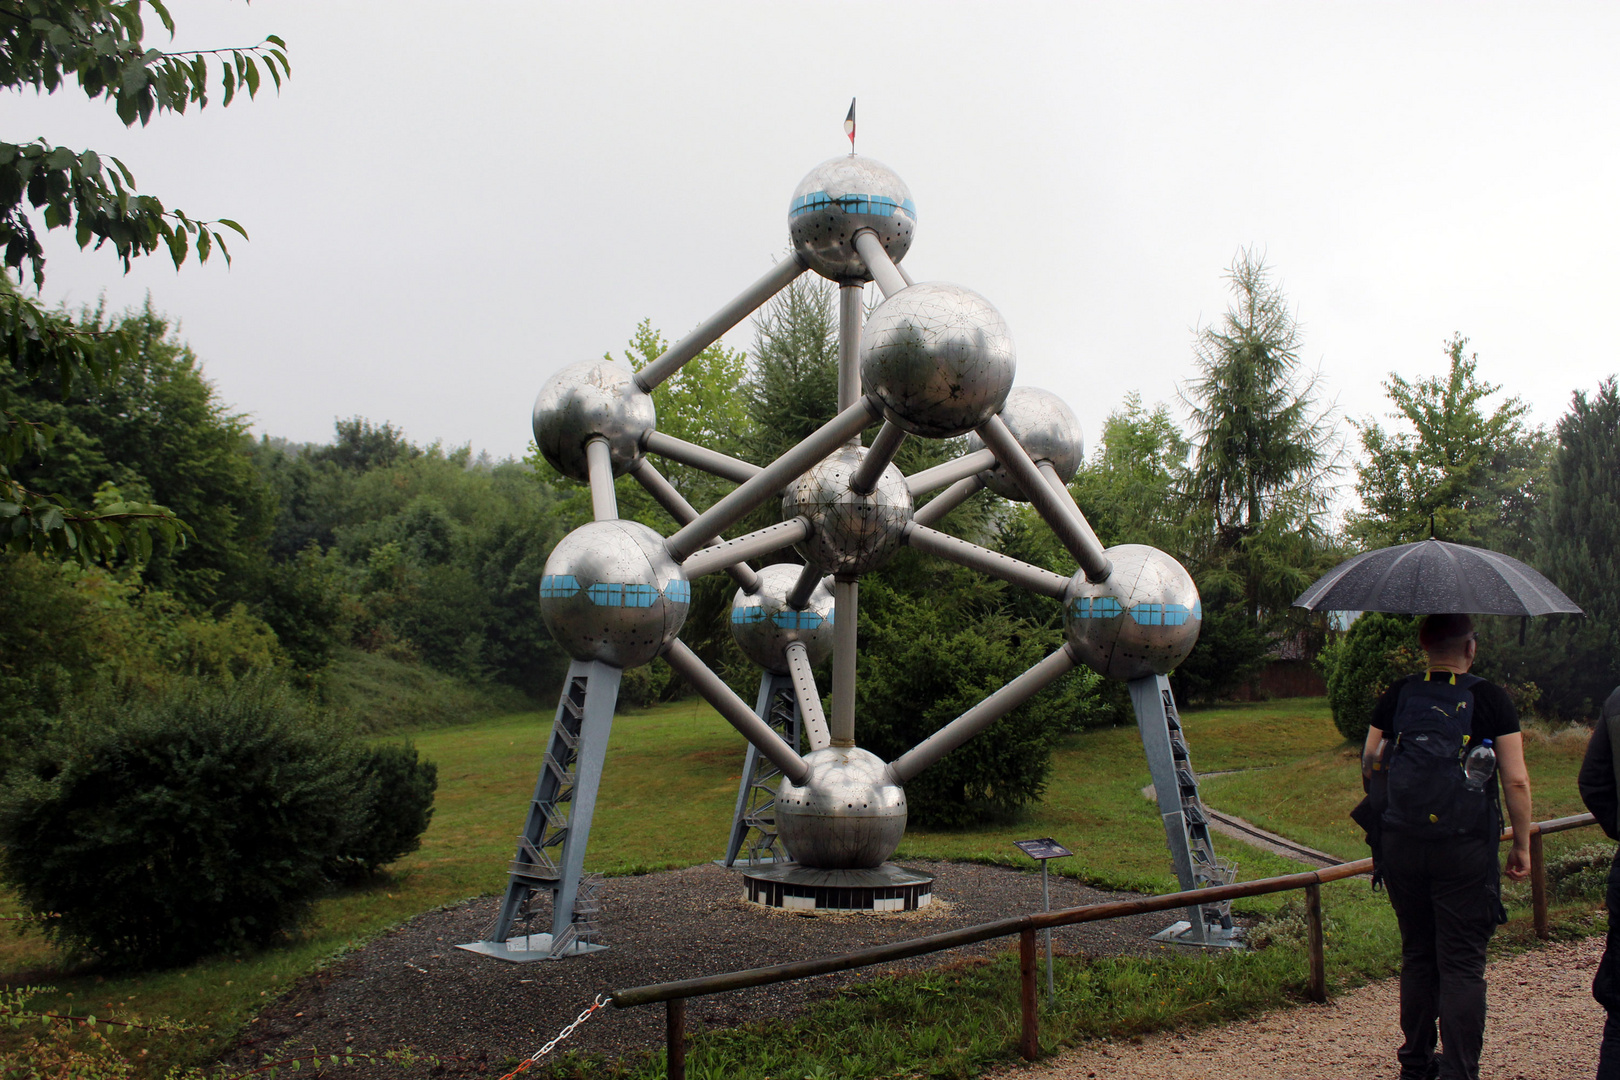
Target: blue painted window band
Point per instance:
(1096, 607)
(558, 586)
(853, 203)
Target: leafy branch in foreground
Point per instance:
(44, 44)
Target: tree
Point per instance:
(100, 44)
(1131, 489)
(1478, 477)
(1264, 450)
(1573, 661)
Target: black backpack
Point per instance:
(1424, 793)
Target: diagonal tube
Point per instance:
(1055, 482)
(947, 473)
(878, 456)
(804, 691)
(902, 270)
(1078, 538)
(735, 711)
(664, 493)
(948, 500)
(761, 542)
(798, 597)
(599, 466)
(700, 457)
(846, 619)
(982, 715)
(711, 331)
(773, 478)
(878, 264)
(974, 557)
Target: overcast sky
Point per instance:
(449, 202)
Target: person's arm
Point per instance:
(1516, 788)
(1370, 751)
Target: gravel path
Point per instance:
(1543, 1025)
(412, 987)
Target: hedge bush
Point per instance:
(1377, 650)
(393, 811)
(163, 827)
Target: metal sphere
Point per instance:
(1046, 428)
(764, 626)
(584, 401)
(849, 533)
(1142, 620)
(939, 357)
(848, 814)
(838, 199)
(610, 591)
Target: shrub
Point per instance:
(396, 805)
(166, 827)
(1377, 650)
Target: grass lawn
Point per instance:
(667, 798)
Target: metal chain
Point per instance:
(561, 1035)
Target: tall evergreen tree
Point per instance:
(1576, 662)
(1265, 449)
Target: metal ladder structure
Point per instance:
(551, 850)
(753, 840)
(1186, 824)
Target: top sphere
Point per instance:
(1046, 428)
(598, 398)
(939, 357)
(838, 199)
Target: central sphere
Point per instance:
(841, 197)
(939, 357)
(764, 626)
(849, 533)
(611, 592)
(1046, 428)
(848, 814)
(1143, 619)
(595, 399)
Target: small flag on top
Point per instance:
(849, 125)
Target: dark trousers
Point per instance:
(1606, 988)
(1446, 898)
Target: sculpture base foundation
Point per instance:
(802, 888)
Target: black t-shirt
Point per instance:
(1494, 714)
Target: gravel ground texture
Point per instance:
(413, 987)
(1542, 1025)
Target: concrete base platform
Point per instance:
(1214, 936)
(802, 888)
(526, 950)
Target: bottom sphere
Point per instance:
(846, 815)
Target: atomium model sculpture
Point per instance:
(933, 361)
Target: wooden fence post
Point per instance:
(1029, 1043)
(1316, 986)
(1538, 886)
(675, 1037)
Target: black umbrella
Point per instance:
(1435, 576)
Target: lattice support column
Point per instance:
(1186, 824)
(753, 839)
(550, 854)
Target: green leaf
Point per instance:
(229, 224)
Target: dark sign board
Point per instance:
(1046, 848)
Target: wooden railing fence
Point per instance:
(674, 994)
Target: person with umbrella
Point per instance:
(1437, 744)
(1438, 854)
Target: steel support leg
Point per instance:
(1186, 826)
(753, 825)
(551, 850)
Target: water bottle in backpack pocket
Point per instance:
(1428, 794)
